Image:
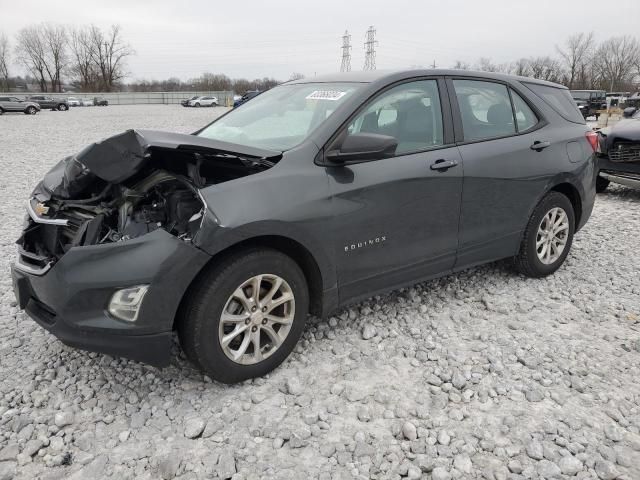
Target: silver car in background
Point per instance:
(14, 104)
(206, 101)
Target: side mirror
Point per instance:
(363, 147)
(628, 112)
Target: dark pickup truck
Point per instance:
(50, 103)
(590, 101)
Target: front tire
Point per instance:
(245, 315)
(547, 238)
(62, 107)
(197, 105)
(601, 184)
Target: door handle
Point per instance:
(443, 164)
(539, 146)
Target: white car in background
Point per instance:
(204, 102)
(73, 102)
(87, 102)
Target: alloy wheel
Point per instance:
(552, 235)
(256, 319)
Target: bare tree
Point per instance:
(520, 67)
(56, 41)
(216, 82)
(616, 61)
(486, 65)
(109, 52)
(575, 54)
(4, 61)
(83, 68)
(31, 52)
(296, 76)
(460, 65)
(241, 86)
(545, 68)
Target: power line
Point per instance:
(346, 52)
(370, 49)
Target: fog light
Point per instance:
(125, 304)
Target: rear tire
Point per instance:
(601, 184)
(223, 302)
(30, 111)
(547, 238)
(1, 111)
(62, 107)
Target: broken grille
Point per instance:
(625, 152)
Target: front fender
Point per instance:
(214, 239)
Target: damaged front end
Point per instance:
(127, 186)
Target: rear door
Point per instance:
(396, 219)
(48, 102)
(504, 174)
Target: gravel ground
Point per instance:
(483, 374)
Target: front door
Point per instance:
(396, 219)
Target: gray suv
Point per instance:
(14, 104)
(309, 197)
(50, 103)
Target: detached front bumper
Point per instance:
(70, 299)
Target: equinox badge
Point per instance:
(367, 243)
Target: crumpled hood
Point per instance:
(628, 129)
(121, 156)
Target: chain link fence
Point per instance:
(225, 98)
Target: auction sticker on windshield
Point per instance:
(326, 95)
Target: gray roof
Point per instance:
(374, 75)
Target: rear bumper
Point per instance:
(71, 298)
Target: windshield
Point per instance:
(580, 95)
(282, 117)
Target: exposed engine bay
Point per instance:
(127, 186)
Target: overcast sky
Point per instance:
(277, 37)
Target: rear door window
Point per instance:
(485, 109)
(559, 99)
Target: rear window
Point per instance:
(559, 99)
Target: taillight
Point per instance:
(593, 139)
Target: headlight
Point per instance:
(125, 303)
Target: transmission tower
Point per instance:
(370, 43)
(346, 52)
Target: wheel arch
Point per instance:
(572, 193)
(292, 248)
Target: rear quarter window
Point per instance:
(559, 99)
